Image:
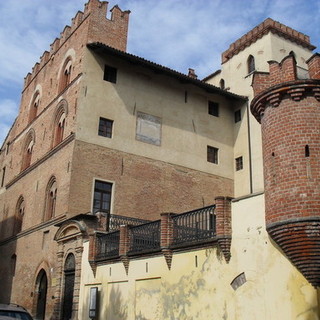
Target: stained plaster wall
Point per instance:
(198, 284)
(186, 127)
(237, 79)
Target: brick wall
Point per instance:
(143, 188)
(289, 111)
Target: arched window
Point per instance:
(65, 74)
(59, 123)
(251, 64)
(51, 198)
(19, 214)
(34, 106)
(27, 150)
(222, 84)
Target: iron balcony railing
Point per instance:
(108, 245)
(115, 221)
(145, 237)
(194, 226)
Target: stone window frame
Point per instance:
(96, 190)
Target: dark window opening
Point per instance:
(110, 74)
(239, 163)
(213, 108)
(102, 196)
(307, 151)
(237, 116)
(251, 64)
(212, 154)
(105, 127)
(222, 84)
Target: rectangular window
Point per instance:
(213, 108)
(102, 196)
(237, 116)
(239, 163)
(105, 127)
(212, 154)
(110, 74)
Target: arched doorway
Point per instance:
(42, 285)
(69, 276)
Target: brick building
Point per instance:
(106, 141)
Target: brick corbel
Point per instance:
(124, 246)
(223, 225)
(166, 236)
(92, 252)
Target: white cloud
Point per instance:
(8, 112)
(175, 33)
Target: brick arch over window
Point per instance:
(59, 123)
(27, 149)
(50, 199)
(251, 64)
(33, 111)
(65, 75)
(19, 215)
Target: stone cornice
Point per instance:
(295, 90)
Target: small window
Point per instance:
(251, 64)
(110, 74)
(213, 108)
(237, 116)
(239, 163)
(222, 84)
(212, 154)
(102, 196)
(105, 127)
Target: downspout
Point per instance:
(249, 148)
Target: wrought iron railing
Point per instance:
(194, 225)
(116, 221)
(108, 245)
(145, 237)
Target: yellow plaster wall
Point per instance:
(237, 79)
(198, 285)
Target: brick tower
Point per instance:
(287, 104)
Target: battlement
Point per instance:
(97, 11)
(268, 25)
(283, 72)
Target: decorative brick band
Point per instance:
(300, 241)
(262, 29)
(295, 90)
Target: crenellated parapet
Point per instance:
(282, 82)
(288, 109)
(268, 25)
(112, 32)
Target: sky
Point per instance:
(178, 34)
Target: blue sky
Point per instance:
(175, 33)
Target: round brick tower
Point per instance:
(288, 108)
